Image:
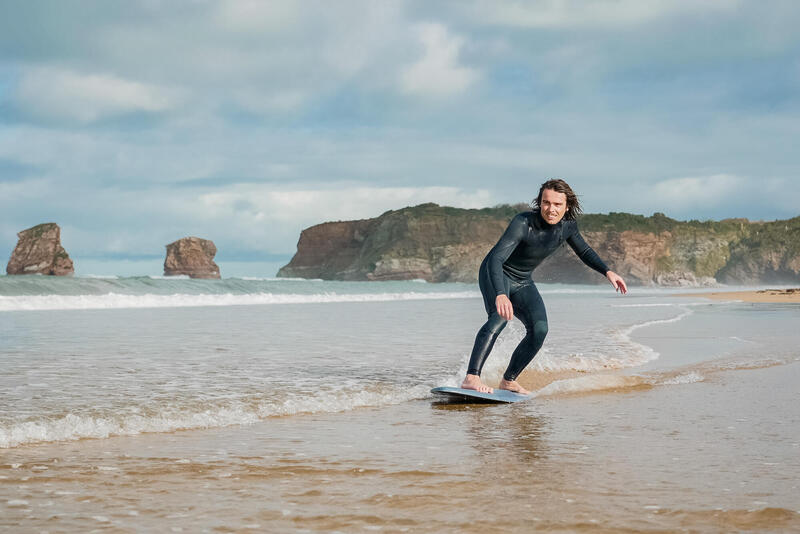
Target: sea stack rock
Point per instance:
(39, 251)
(191, 256)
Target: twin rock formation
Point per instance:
(39, 251)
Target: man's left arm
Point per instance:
(590, 258)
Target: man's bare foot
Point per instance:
(513, 385)
(474, 382)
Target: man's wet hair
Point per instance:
(560, 186)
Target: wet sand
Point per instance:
(775, 296)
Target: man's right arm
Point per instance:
(511, 238)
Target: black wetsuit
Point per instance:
(507, 270)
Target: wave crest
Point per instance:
(120, 301)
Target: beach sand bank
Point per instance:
(791, 296)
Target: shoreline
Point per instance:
(771, 296)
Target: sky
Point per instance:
(133, 124)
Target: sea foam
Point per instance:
(591, 383)
(120, 301)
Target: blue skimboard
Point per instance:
(470, 395)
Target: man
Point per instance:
(508, 289)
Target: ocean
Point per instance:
(263, 404)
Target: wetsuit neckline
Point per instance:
(544, 225)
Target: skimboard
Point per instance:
(470, 395)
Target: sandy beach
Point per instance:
(790, 296)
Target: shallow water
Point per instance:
(651, 413)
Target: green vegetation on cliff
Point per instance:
(432, 209)
(621, 222)
(776, 235)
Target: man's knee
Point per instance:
(495, 324)
(540, 329)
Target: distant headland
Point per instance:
(444, 244)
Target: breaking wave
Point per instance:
(118, 301)
(193, 415)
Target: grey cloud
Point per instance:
(307, 98)
(221, 54)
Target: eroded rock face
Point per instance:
(330, 251)
(191, 256)
(425, 242)
(39, 251)
(630, 254)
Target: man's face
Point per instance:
(553, 206)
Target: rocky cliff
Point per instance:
(191, 256)
(441, 244)
(39, 251)
(428, 242)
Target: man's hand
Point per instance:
(617, 281)
(504, 307)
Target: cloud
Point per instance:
(698, 191)
(437, 73)
(591, 14)
(64, 94)
(713, 196)
(258, 101)
(258, 203)
(257, 16)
